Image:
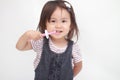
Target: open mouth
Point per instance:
(58, 31)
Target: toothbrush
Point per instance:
(46, 34)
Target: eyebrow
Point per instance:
(61, 18)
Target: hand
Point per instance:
(24, 42)
(34, 35)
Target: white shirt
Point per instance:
(38, 44)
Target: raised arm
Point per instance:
(24, 41)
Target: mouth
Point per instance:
(58, 31)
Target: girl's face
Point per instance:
(60, 22)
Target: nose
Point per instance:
(58, 25)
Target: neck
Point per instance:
(59, 42)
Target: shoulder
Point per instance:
(76, 47)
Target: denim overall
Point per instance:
(53, 66)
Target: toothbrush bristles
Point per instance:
(53, 32)
(47, 34)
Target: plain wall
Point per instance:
(99, 24)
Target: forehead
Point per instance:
(60, 13)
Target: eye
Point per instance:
(63, 21)
(52, 21)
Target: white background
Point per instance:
(99, 24)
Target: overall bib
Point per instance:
(53, 66)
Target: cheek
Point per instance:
(67, 29)
(68, 26)
(49, 27)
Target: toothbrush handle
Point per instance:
(43, 34)
(47, 34)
